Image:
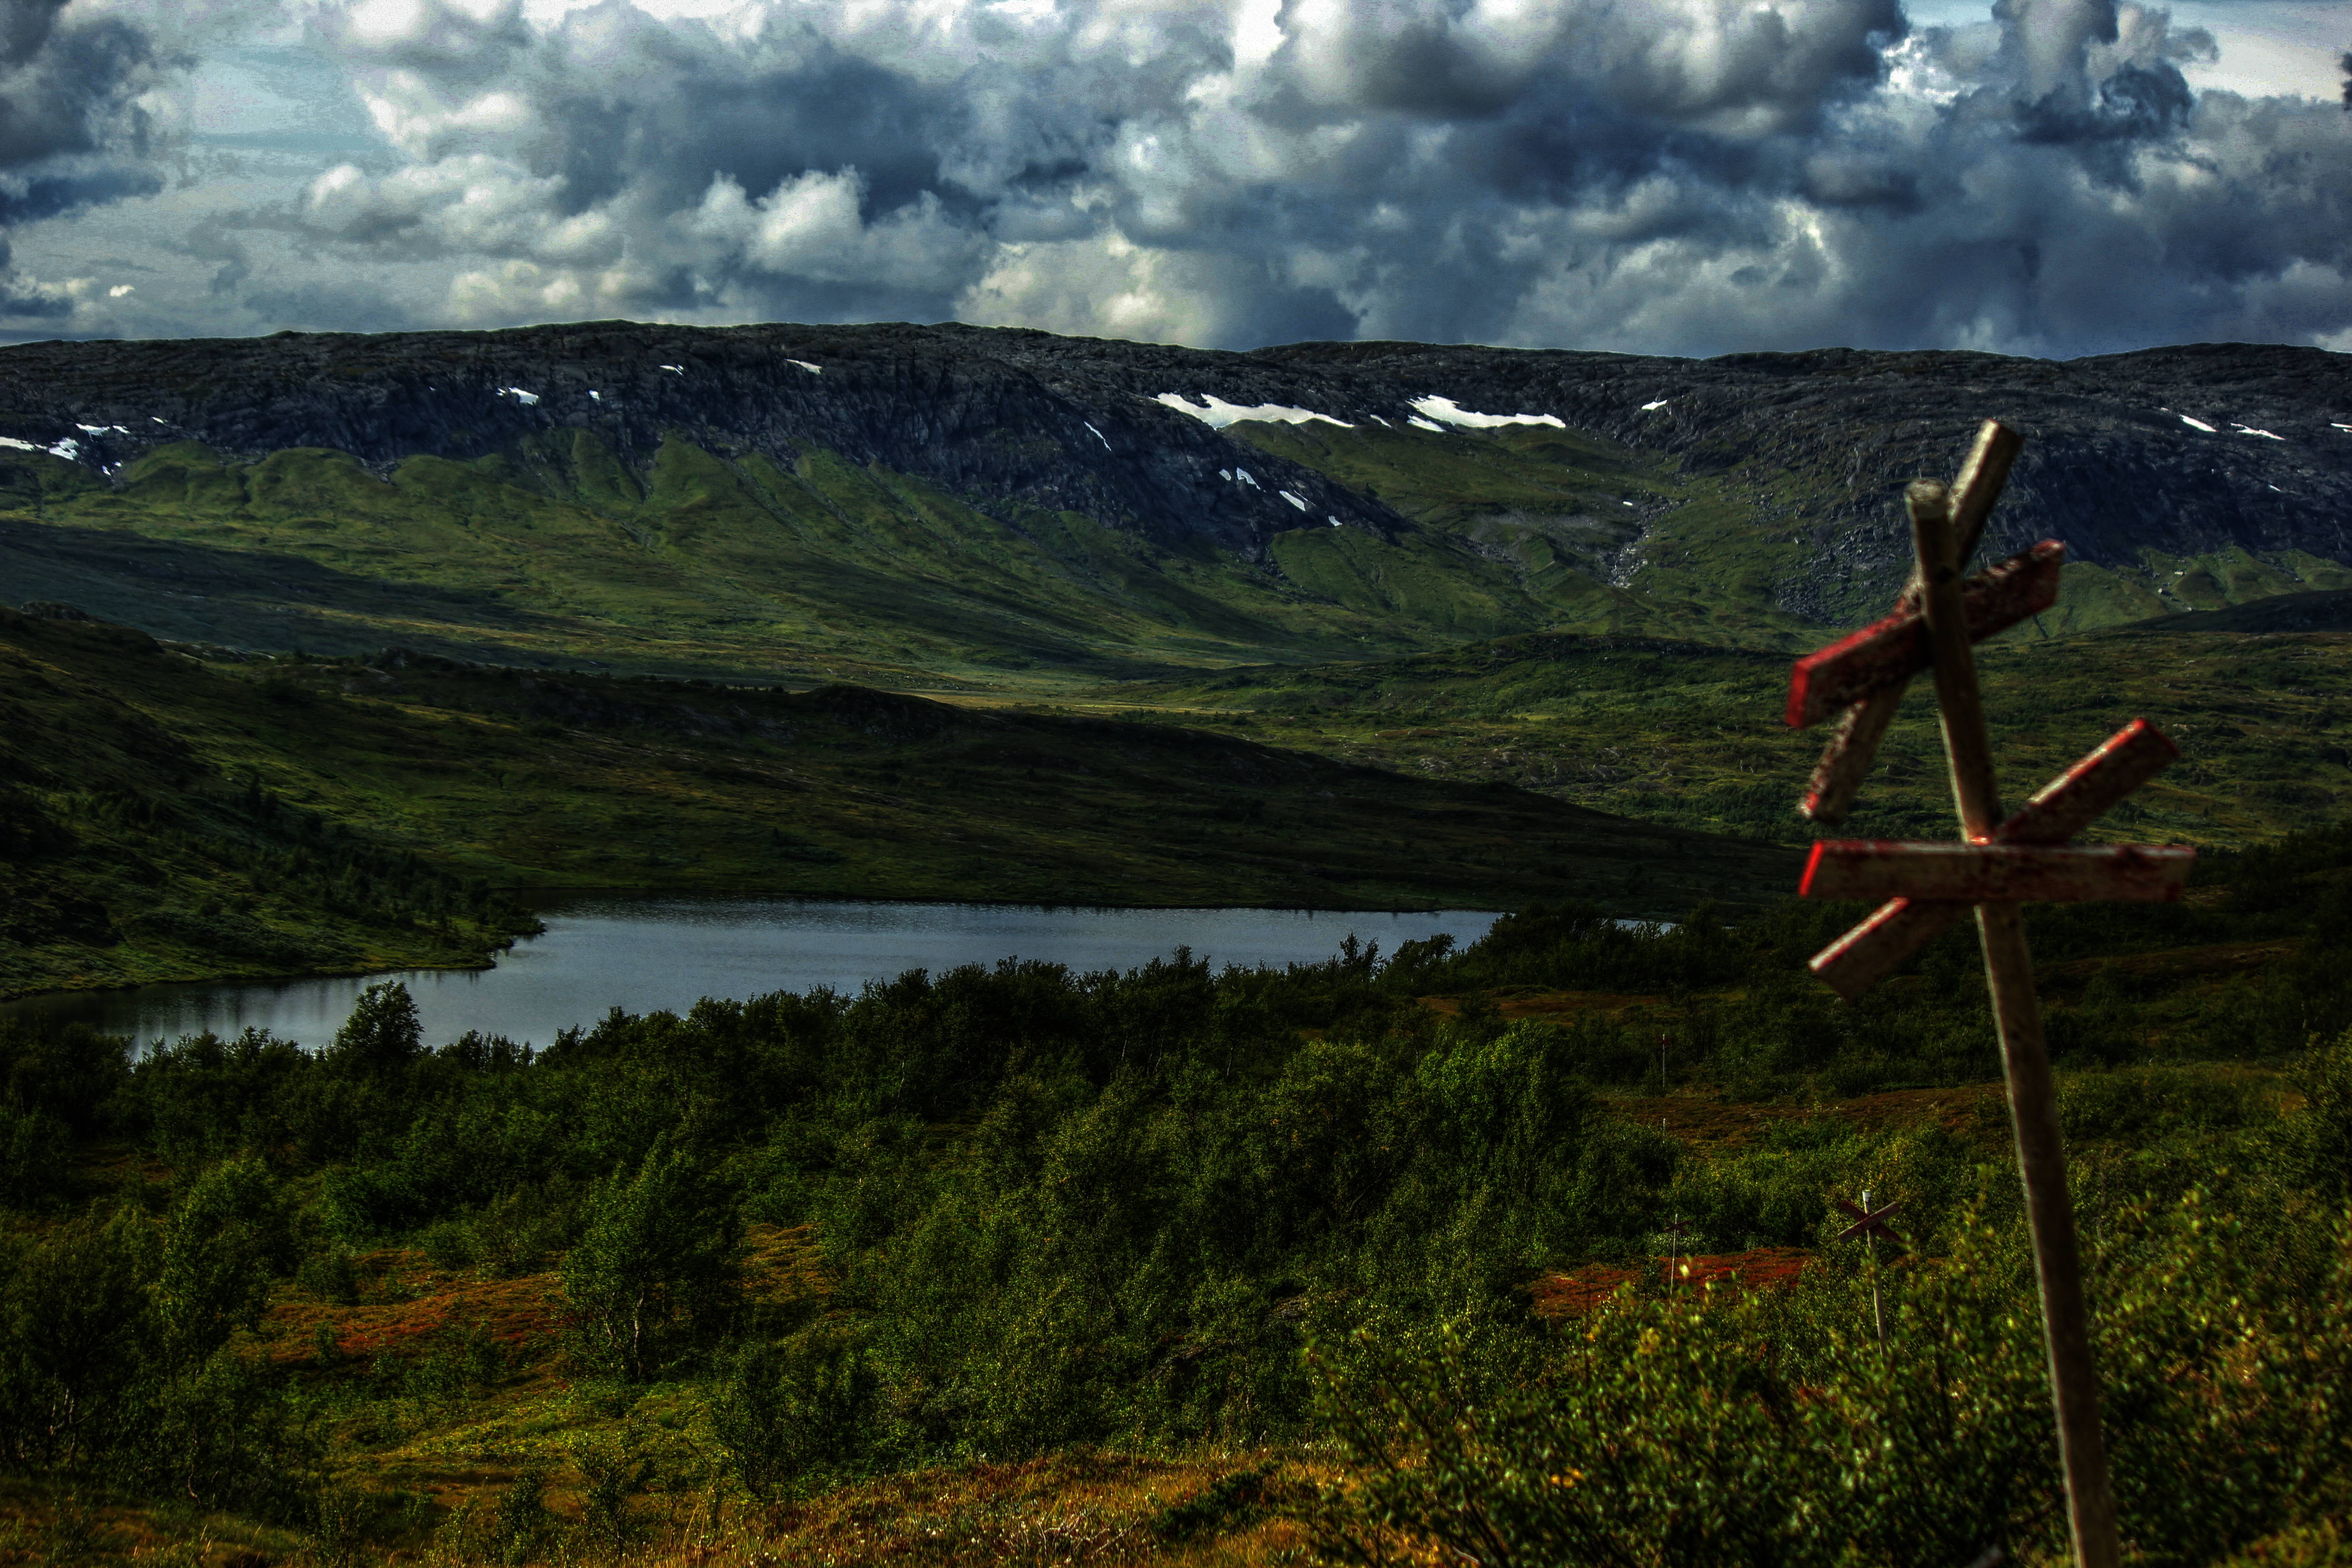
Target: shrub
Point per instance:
(114, 1355)
(657, 1268)
(609, 1476)
(222, 1245)
(521, 1526)
(791, 1414)
(36, 1158)
(382, 1033)
(328, 1274)
(75, 1339)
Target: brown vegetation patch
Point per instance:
(1552, 1004)
(1544, 1003)
(783, 1263)
(1758, 1267)
(416, 1305)
(420, 1307)
(1962, 1109)
(1706, 1119)
(2213, 962)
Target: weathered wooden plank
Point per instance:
(2081, 795)
(1881, 944)
(1960, 704)
(1982, 474)
(1845, 760)
(1884, 943)
(1891, 651)
(1867, 1221)
(1996, 873)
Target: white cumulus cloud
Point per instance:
(1682, 176)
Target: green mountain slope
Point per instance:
(1693, 735)
(945, 507)
(562, 553)
(559, 552)
(134, 847)
(172, 816)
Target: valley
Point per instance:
(335, 653)
(482, 782)
(1474, 588)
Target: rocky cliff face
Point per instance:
(2178, 450)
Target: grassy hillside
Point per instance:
(131, 851)
(131, 763)
(1610, 538)
(557, 552)
(1693, 735)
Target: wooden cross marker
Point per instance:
(1869, 1223)
(1996, 864)
(1870, 1226)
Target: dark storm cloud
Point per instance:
(1680, 174)
(71, 132)
(48, 195)
(66, 89)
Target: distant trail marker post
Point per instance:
(1997, 864)
(1870, 1226)
(1675, 1232)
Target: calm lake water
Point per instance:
(649, 955)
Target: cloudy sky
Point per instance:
(1689, 176)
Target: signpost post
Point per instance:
(1676, 1231)
(1997, 863)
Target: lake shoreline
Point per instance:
(539, 902)
(643, 955)
(251, 977)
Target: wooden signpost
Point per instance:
(1869, 1225)
(1997, 863)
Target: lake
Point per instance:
(648, 955)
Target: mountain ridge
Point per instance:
(1384, 494)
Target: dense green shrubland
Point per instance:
(1059, 1208)
(1776, 1430)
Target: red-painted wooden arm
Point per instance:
(2081, 795)
(1996, 873)
(1845, 760)
(1887, 652)
(1880, 945)
(2078, 797)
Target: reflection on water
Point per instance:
(646, 955)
